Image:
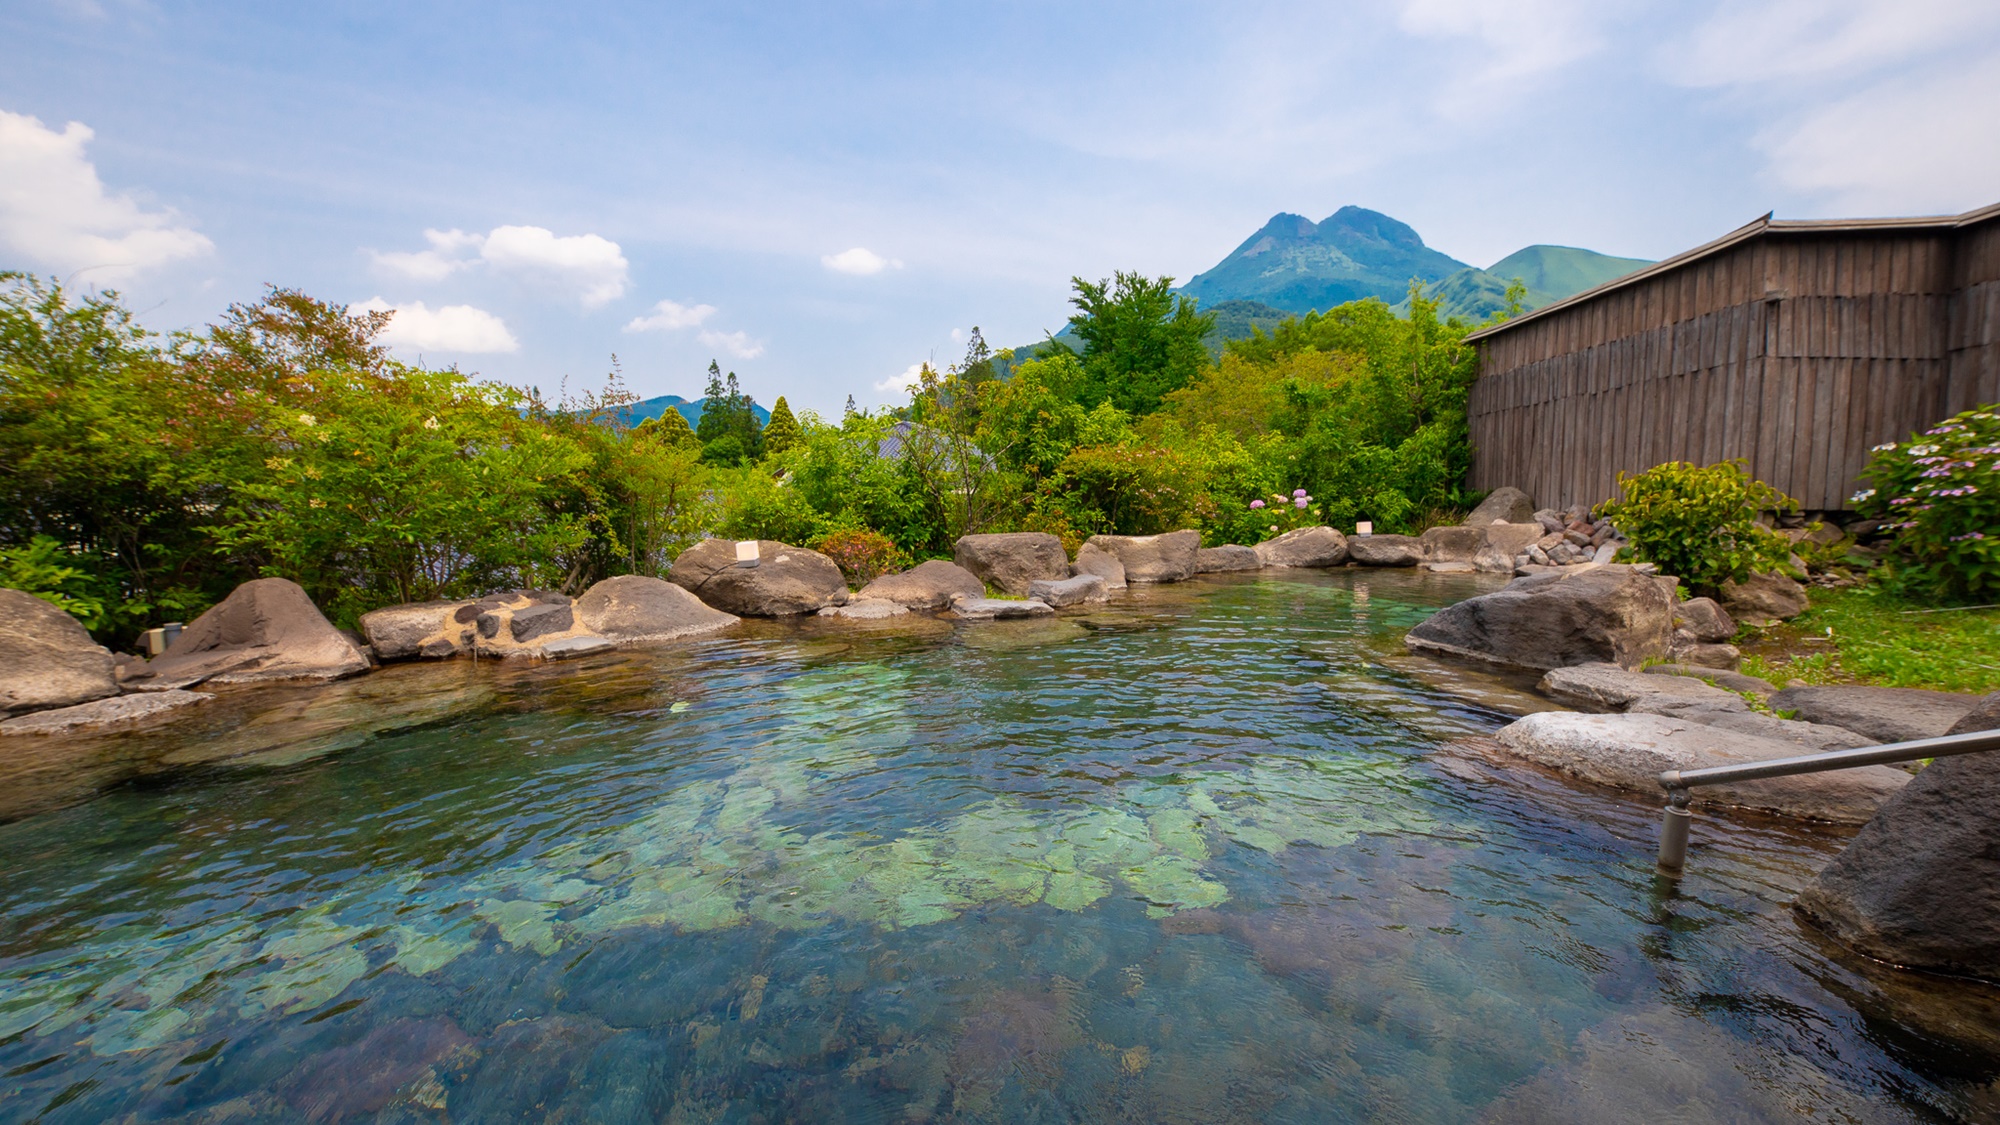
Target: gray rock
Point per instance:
(1512, 539)
(1491, 560)
(1763, 598)
(564, 648)
(1985, 715)
(1732, 681)
(1704, 619)
(1304, 547)
(1505, 504)
(1816, 737)
(635, 609)
(1608, 687)
(1450, 567)
(1453, 544)
(1686, 650)
(1920, 884)
(1102, 563)
(540, 621)
(1070, 591)
(1631, 751)
(1578, 615)
(102, 712)
(1002, 608)
(1883, 714)
(866, 609)
(1387, 550)
(1152, 558)
(1010, 560)
(416, 629)
(47, 658)
(927, 585)
(267, 629)
(1217, 560)
(787, 580)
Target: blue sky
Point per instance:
(820, 196)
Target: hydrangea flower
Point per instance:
(1298, 492)
(1299, 503)
(1256, 503)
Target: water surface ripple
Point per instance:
(1214, 853)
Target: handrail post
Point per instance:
(1675, 820)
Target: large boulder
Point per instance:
(1152, 558)
(927, 585)
(1385, 550)
(430, 630)
(1010, 560)
(1305, 546)
(1505, 504)
(1001, 608)
(1511, 539)
(267, 629)
(635, 609)
(1453, 544)
(1577, 615)
(865, 609)
(1607, 687)
(1096, 560)
(1070, 591)
(1762, 599)
(1704, 620)
(785, 582)
(118, 709)
(1631, 751)
(1920, 884)
(1228, 557)
(1884, 714)
(47, 659)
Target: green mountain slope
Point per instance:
(1297, 265)
(1550, 273)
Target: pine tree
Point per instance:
(851, 412)
(782, 431)
(670, 427)
(714, 419)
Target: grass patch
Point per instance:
(1865, 635)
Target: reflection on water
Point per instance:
(1212, 853)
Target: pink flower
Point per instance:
(1256, 503)
(1298, 492)
(1299, 503)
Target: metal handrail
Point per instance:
(1675, 818)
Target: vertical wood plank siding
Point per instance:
(1793, 349)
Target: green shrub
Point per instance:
(1698, 523)
(862, 555)
(1940, 495)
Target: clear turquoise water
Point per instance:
(1215, 853)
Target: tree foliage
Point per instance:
(1141, 342)
(1700, 522)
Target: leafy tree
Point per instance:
(1140, 341)
(726, 412)
(782, 432)
(670, 429)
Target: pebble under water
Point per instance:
(1216, 852)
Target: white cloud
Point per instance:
(444, 258)
(860, 261)
(55, 211)
(1518, 44)
(1785, 39)
(669, 316)
(737, 344)
(901, 384)
(453, 328)
(592, 266)
(1898, 147)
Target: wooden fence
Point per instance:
(1795, 346)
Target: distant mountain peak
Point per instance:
(1295, 264)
